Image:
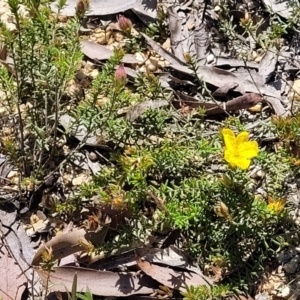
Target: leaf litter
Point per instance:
(239, 84)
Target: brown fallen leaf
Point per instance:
(101, 283)
(279, 7)
(146, 11)
(173, 279)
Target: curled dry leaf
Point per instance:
(69, 243)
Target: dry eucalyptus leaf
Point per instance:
(101, 283)
(171, 256)
(177, 280)
(279, 7)
(201, 38)
(242, 102)
(13, 280)
(268, 64)
(97, 7)
(218, 77)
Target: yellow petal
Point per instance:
(229, 138)
(242, 137)
(230, 158)
(276, 206)
(236, 161)
(248, 149)
(242, 162)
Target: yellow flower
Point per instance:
(276, 206)
(238, 150)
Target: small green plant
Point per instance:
(73, 295)
(159, 29)
(289, 131)
(203, 292)
(86, 296)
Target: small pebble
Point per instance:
(210, 58)
(292, 266)
(93, 156)
(285, 292)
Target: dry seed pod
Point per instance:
(101, 100)
(256, 108)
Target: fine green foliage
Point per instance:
(45, 57)
(167, 169)
(203, 293)
(159, 29)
